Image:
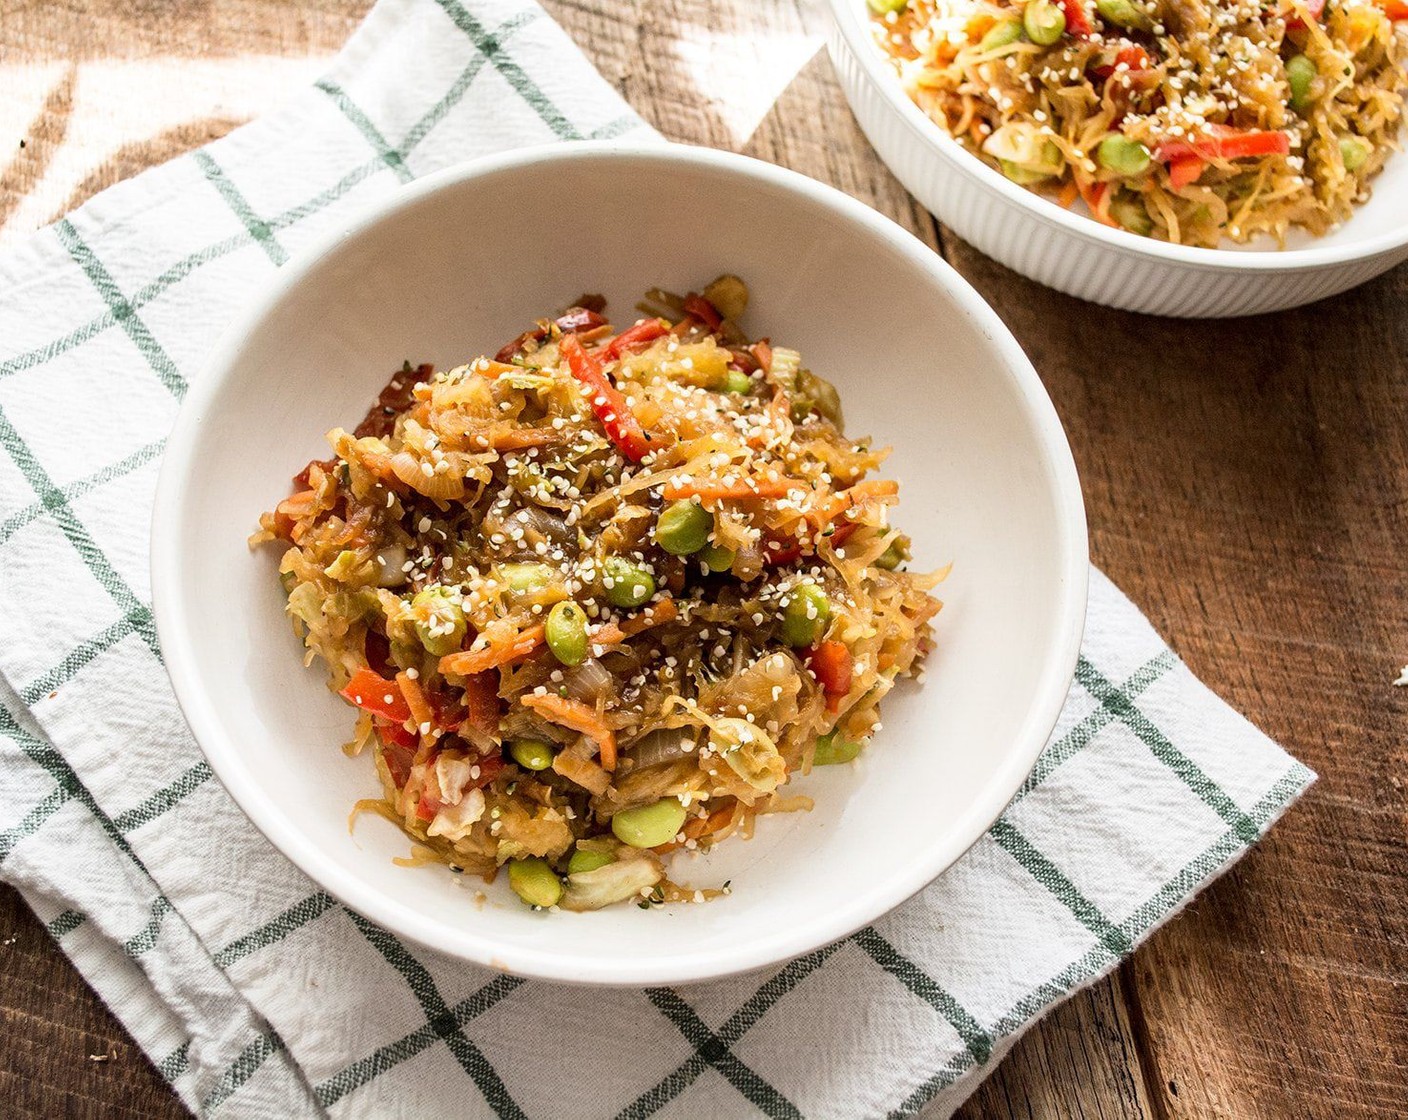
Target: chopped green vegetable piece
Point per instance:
(884, 7)
(534, 882)
(834, 749)
(1001, 35)
(627, 584)
(527, 577)
(729, 294)
(1044, 22)
(895, 555)
(1123, 156)
(683, 527)
(1022, 176)
(566, 632)
(805, 615)
(649, 826)
(531, 754)
(439, 620)
(583, 861)
(1129, 211)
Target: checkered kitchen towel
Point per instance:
(257, 994)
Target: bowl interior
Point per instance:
(1375, 222)
(458, 266)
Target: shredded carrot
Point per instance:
(840, 502)
(421, 711)
(577, 716)
(1069, 193)
(755, 486)
(614, 633)
(762, 350)
(495, 654)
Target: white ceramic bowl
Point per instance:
(457, 263)
(1072, 252)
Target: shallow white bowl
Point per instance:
(1072, 252)
(454, 265)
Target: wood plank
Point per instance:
(52, 1025)
(1247, 483)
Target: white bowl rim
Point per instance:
(685, 966)
(867, 54)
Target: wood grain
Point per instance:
(1247, 486)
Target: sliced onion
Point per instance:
(660, 747)
(588, 681)
(392, 560)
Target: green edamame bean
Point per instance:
(627, 584)
(566, 632)
(1043, 22)
(834, 749)
(531, 754)
(1123, 13)
(683, 527)
(649, 826)
(439, 620)
(805, 615)
(736, 381)
(717, 559)
(1300, 73)
(1122, 155)
(1001, 35)
(583, 861)
(1353, 153)
(535, 882)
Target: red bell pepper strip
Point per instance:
(703, 310)
(1077, 22)
(395, 734)
(1395, 9)
(1223, 142)
(1132, 56)
(778, 553)
(831, 663)
(621, 425)
(374, 693)
(1182, 172)
(644, 332)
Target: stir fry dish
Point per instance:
(599, 598)
(1183, 120)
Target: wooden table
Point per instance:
(1247, 485)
